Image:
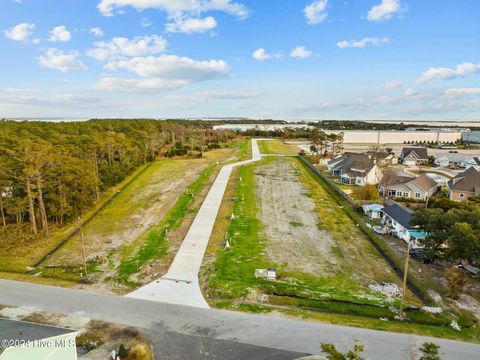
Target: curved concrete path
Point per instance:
(180, 284)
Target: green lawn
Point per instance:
(230, 281)
(126, 233)
(153, 243)
(235, 268)
(276, 146)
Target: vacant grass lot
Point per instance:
(276, 146)
(129, 231)
(229, 280)
(352, 263)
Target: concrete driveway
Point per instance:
(180, 284)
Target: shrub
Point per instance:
(368, 192)
(90, 340)
(429, 351)
(455, 282)
(334, 354)
(122, 352)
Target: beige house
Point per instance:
(464, 185)
(418, 188)
(355, 169)
(414, 156)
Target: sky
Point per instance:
(281, 59)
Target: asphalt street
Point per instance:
(179, 331)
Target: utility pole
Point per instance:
(405, 274)
(83, 248)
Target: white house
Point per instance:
(355, 169)
(414, 156)
(37, 341)
(372, 211)
(397, 219)
(461, 161)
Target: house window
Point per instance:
(417, 195)
(462, 195)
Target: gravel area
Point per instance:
(287, 213)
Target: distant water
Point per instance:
(439, 123)
(50, 119)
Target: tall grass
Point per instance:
(154, 241)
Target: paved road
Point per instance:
(180, 331)
(180, 284)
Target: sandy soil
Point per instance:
(288, 215)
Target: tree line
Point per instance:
(453, 230)
(52, 172)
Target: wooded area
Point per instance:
(50, 173)
(453, 230)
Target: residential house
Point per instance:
(383, 158)
(414, 156)
(36, 341)
(419, 188)
(397, 219)
(456, 161)
(355, 169)
(373, 211)
(464, 185)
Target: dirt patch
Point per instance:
(289, 220)
(140, 206)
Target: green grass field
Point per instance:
(129, 231)
(229, 280)
(276, 146)
(153, 243)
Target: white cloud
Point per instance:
(175, 8)
(64, 99)
(97, 31)
(173, 67)
(459, 92)
(392, 84)
(192, 25)
(316, 12)
(205, 96)
(120, 47)
(444, 73)
(165, 72)
(64, 62)
(20, 32)
(60, 34)
(359, 44)
(138, 85)
(385, 10)
(145, 22)
(301, 52)
(261, 55)
(411, 93)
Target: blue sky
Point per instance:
(286, 59)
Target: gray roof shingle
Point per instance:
(467, 181)
(421, 152)
(399, 213)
